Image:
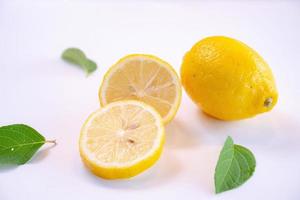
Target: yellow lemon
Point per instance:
(122, 139)
(228, 79)
(145, 78)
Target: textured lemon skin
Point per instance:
(108, 73)
(228, 79)
(121, 172)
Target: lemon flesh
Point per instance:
(145, 78)
(227, 79)
(122, 139)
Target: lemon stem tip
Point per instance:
(268, 102)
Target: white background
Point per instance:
(54, 97)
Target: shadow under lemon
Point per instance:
(180, 135)
(163, 171)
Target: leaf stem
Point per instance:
(51, 141)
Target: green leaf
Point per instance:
(89, 66)
(77, 57)
(18, 143)
(235, 166)
(74, 55)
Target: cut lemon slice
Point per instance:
(122, 139)
(145, 78)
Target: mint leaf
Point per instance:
(74, 55)
(235, 166)
(77, 57)
(89, 66)
(18, 143)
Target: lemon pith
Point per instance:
(122, 139)
(144, 78)
(227, 79)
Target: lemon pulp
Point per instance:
(145, 78)
(122, 139)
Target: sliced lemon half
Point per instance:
(145, 78)
(122, 139)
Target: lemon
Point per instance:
(122, 139)
(145, 78)
(228, 79)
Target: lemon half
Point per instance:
(145, 78)
(122, 139)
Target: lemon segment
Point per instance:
(122, 139)
(144, 78)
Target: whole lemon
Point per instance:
(228, 79)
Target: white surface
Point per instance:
(39, 89)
